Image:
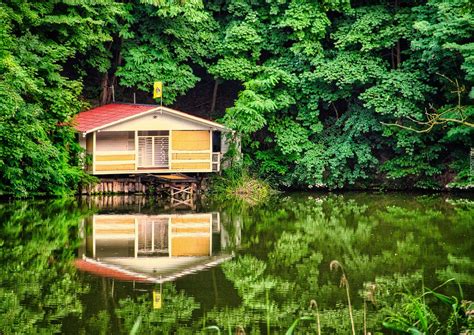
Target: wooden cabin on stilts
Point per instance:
(131, 147)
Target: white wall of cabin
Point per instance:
(157, 121)
(115, 141)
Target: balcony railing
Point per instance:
(216, 161)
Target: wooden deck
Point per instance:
(181, 189)
(174, 178)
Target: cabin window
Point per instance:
(153, 149)
(115, 141)
(152, 236)
(153, 133)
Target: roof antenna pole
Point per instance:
(113, 93)
(134, 98)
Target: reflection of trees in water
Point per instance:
(41, 292)
(285, 250)
(38, 283)
(388, 246)
(175, 313)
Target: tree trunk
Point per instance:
(109, 77)
(399, 57)
(214, 98)
(104, 93)
(118, 61)
(335, 110)
(392, 54)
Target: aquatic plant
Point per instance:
(335, 265)
(295, 323)
(314, 303)
(213, 328)
(238, 183)
(136, 325)
(365, 317)
(239, 330)
(267, 309)
(414, 315)
(369, 295)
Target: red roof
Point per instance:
(103, 115)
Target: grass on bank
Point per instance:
(237, 183)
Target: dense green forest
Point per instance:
(329, 93)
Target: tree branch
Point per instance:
(436, 117)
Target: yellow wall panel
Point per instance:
(191, 230)
(190, 166)
(115, 231)
(191, 219)
(196, 156)
(190, 140)
(190, 246)
(108, 158)
(115, 167)
(115, 219)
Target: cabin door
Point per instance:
(153, 150)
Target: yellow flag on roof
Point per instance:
(157, 89)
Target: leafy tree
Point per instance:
(323, 87)
(163, 42)
(39, 93)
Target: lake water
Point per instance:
(103, 265)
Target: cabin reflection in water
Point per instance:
(155, 248)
